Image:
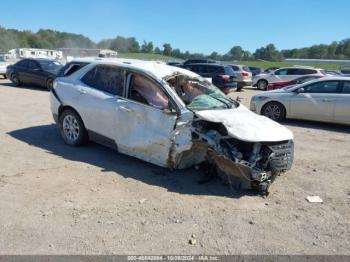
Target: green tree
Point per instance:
(236, 53)
(147, 47)
(157, 50)
(269, 53)
(167, 49)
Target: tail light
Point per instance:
(245, 74)
(225, 77)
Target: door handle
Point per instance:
(126, 109)
(82, 91)
(327, 100)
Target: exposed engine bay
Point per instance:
(243, 165)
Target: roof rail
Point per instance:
(303, 66)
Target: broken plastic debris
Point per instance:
(142, 200)
(314, 199)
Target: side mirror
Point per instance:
(301, 90)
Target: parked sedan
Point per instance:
(170, 117)
(39, 72)
(300, 80)
(326, 99)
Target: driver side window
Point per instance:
(146, 91)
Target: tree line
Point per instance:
(50, 39)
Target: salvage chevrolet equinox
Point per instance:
(170, 117)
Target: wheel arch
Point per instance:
(67, 107)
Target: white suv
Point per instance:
(284, 74)
(170, 117)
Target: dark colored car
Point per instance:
(71, 67)
(40, 72)
(174, 63)
(199, 61)
(255, 70)
(345, 71)
(300, 80)
(222, 76)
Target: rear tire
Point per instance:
(239, 87)
(275, 111)
(15, 80)
(49, 84)
(262, 85)
(72, 128)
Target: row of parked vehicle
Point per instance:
(304, 92)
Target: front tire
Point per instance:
(275, 111)
(72, 128)
(262, 85)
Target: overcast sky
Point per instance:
(194, 25)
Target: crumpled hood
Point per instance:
(247, 126)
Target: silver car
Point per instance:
(170, 117)
(326, 100)
(3, 67)
(244, 76)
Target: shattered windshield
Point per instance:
(199, 94)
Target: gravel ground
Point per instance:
(55, 199)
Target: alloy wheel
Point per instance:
(71, 128)
(273, 111)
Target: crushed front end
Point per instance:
(244, 165)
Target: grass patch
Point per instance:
(144, 56)
(283, 64)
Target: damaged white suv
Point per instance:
(170, 117)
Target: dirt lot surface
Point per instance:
(55, 199)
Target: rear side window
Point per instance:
(328, 87)
(229, 71)
(33, 65)
(246, 68)
(215, 70)
(235, 68)
(293, 71)
(23, 63)
(346, 87)
(305, 71)
(199, 69)
(105, 78)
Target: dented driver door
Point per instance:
(144, 131)
(146, 120)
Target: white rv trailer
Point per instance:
(20, 53)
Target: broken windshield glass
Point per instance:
(199, 94)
